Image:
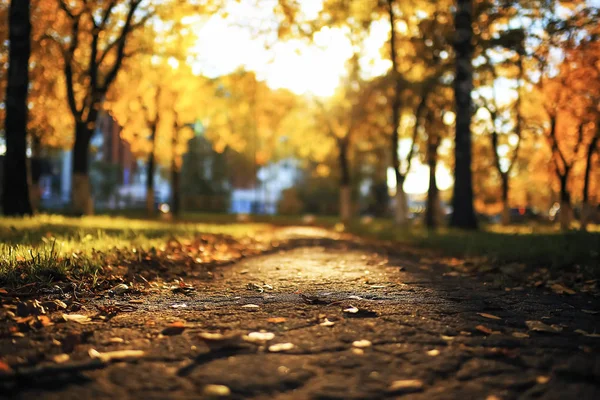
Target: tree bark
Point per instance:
(586, 208)
(81, 195)
(566, 211)
(401, 212)
(505, 202)
(345, 181)
(463, 214)
(150, 168)
(401, 206)
(175, 190)
(15, 193)
(432, 207)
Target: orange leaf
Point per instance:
(484, 329)
(276, 320)
(4, 367)
(490, 316)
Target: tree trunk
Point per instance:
(175, 190)
(505, 203)
(401, 212)
(81, 194)
(463, 214)
(432, 208)
(345, 182)
(586, 208)
(150, 183)
(566, 211)
(15, 193)
(150, 168)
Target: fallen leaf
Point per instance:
(259, 337)
(584, 333)
(211, 336)
(4, 367)
(451, 273)
(61, 358)
(490, 316)
(361, 343)
(590, 312)
(484, 329)
(351, 310)
(175, 328)
(116, 355)
(355, 298)
(250, 306)
(80, 319)
(406, 386)
(542, 379)
(561, 289)
(539, 326)
(276, 320)
(520, 335)
(216, 391)
(281, 347)
(327, 323)
(3, 291)
(433, 353)
(44, 320)
(116, 340)
(136, 301)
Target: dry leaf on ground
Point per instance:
(281, 347)
(80, 319)
(539, 326)
(116, 355)
(406, 386)
(490, 316)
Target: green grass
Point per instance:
(50, 247)
(536, 247)
(46, 248)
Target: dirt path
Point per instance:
(350, 322)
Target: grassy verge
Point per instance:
(46, 248)
(537, 248)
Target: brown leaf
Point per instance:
(116, 355)
(276, 320)
(539, 326)
(561, 289)
(4, 367)
(80, 319)
(490, 316)
(406, 386)
(484, 329)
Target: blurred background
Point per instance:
(321, 107)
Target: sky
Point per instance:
(305, 68)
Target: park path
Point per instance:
(324, 319)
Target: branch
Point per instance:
(68, 58)
(112, 74)
(63, 6)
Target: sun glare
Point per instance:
(226, 43)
